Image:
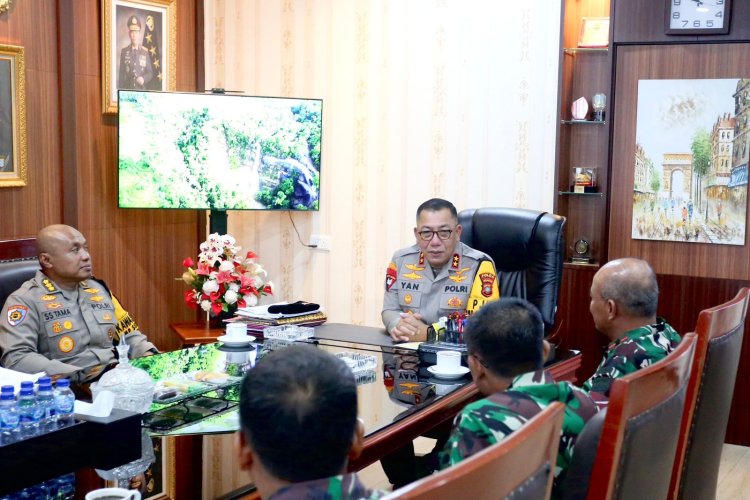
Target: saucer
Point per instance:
(235, 341)
(448, 375)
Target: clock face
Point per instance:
(697, 17)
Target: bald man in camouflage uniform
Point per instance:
(506, 346)
(624, 296)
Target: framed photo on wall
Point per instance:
(139, 39)
(12, 117)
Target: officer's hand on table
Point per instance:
(410, 328)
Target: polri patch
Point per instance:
(16, 314)
(487, 280)
(390, 276)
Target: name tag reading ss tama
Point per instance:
(51, 315)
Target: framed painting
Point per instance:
(12, 117)
(691, 160)
(139, 39)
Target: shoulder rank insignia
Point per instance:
(456, 261)
(421, 259)
(459, 276)
(390, 276)
(49, 285)
(47, 298)
(16, 314)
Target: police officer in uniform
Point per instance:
(437, 276)
(135, 61)
(62, 321)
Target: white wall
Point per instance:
(421, 98)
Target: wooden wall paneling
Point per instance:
(642, 21)
(680, 301)
(577, 329)
(32, 25)
(667, 62)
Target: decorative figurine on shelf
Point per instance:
(579, 109)
(599, 102)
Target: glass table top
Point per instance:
(197, 388)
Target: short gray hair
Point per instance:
(632, 287)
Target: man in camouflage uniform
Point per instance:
(135, 61)
(505, 342)
(437, 276)
(624, 296)
(62, 321)
(299, 426)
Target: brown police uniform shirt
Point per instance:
(44, 328)
(466, 282)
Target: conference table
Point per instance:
(395, 405)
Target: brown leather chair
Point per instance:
(638, 440)
(709, 398)
(521, 465)
(18, 263)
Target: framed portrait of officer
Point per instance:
(12, 116)
(138, 47)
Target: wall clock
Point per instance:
(697, 17)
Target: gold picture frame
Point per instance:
(12, 116)
(150, 66)
(594, 32)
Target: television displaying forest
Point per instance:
(218, 151)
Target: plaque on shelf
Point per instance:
(594, 33)
(581, 252)
(579, 109)
(584, 180)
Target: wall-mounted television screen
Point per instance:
(218, 151)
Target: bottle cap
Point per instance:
(8, 388)
(44, 380)
(63, 382)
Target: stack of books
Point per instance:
(257, 318)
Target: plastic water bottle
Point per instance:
(29, 410)
(64, 400)
(46, 401)
(9, 416)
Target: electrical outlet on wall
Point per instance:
(321, 241)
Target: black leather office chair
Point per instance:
(528, 248)
(18, 263)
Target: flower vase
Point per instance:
(217, 320)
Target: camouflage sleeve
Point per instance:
(622, 360)
(476, 428)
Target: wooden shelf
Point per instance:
(583, 122)
(572, 193)
(585, 50)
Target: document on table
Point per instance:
(14, 378)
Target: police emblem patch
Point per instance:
(390, 276)
(487, 280)
(16, 314)
(66, 344)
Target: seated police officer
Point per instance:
(299, 427)
(62, 321)
(437, 276)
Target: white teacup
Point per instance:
(113, 494)
(448, 361)
(236, 330)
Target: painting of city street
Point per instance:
(691, 159)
